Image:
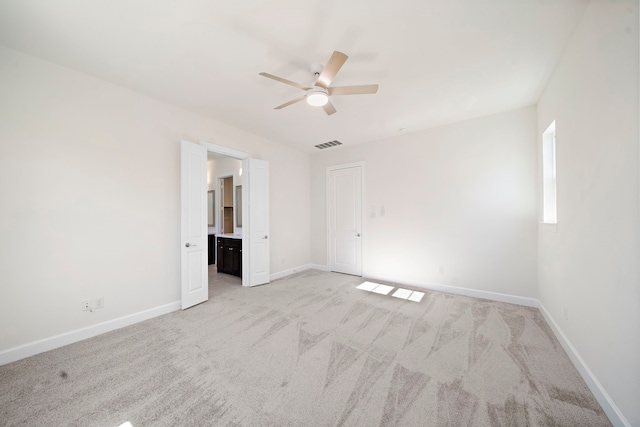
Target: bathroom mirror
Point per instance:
(211, 208)
(239, 206)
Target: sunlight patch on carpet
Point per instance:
(382, 289)
(416, 296)
(401, 293)
(367, 286)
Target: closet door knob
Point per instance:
(188, 245)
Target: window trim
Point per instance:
(549, 176)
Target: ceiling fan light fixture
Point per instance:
(317, 97)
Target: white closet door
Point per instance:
(344, 188)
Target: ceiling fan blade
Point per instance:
(353, 90)
(336, 62)
(329, 108)
(285, 81)
(286, 104)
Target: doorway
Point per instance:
(254, 235)
(225, 246)
(252, 223)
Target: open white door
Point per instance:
(193, 228)
(344, 218)
(255, 222)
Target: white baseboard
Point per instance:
(46, 344)
(285, 273)
(494, 296)
(605, 401)
(319, 267)
(290, 271)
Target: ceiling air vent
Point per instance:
(328, 144)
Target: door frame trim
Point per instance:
(363, 198)
(225, 151)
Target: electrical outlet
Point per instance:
(441, 270)
(566, 312)
(92, 304)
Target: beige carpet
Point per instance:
(309, 350)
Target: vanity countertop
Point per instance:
(230, 236)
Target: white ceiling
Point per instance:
(436, 61)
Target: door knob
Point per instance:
(188, 245)
(357, 234)
(265, 237)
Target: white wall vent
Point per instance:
(328, 144)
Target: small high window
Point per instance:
(549, 209)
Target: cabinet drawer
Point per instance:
(230, 243)
(235, 243)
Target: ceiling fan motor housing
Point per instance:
(316, 68)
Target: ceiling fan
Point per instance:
(318, 93)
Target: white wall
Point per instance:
(90, 198)
(461, 197)
(224, 167)
(590, 265)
